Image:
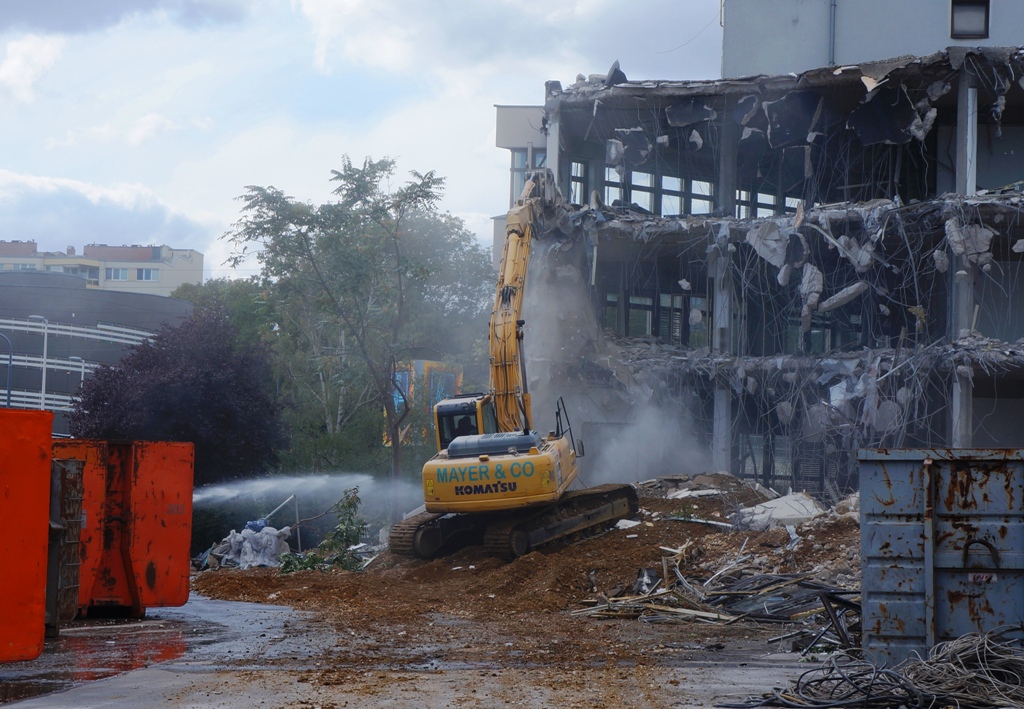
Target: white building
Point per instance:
(157, 270)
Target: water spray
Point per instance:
(298, 529)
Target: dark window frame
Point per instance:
(973, 3)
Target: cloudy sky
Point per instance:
(141, 121)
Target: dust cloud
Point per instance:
(627, 436)
(655, 443)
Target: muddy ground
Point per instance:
(469, 630)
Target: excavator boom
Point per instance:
(508, 371)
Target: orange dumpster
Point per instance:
(137, 524)
(25, 509)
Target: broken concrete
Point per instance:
(797, 508)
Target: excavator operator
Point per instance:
(465, 427)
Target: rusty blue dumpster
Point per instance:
(942, 546)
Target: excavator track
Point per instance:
(402, 539)
(507, 539)
(428, 535)
(579, 511)
(511, 535)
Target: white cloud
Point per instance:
(151, 128)
(26, 60)
(126, 196)
(423, 38)
(148, 126)
(103, 133)
(55, 212)
(145, 128)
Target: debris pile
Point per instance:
(796, 563)
(258, 544)
(740, 584)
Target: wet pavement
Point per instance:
(230, 654)
(213, 635)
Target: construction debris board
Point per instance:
(793, 267)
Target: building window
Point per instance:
(612, 186)
(578, 193)
(610, 315)
(147, 274)
(642, 190)
(55, 269)
(670, 318)
(525, 160)
(685, 196)
(969, 19)
(24, 267)
(117, 274)
(640, 311)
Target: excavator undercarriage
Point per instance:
(510, 535)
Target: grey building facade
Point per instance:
(781, 36)
(59, 331)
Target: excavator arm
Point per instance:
(537, 202)
(508, 377)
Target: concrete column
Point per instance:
(622, 304)
(725, 187)
(554, 156)
(962, 411)
(721, 319)
(962, 320)
(721, 304)
(721, 444)
(962, 293)
(966, 134)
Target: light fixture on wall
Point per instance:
(969, 19)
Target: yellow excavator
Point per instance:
(494, 478)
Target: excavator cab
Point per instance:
(466, 415)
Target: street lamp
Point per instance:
(81, 368)
(10, 363)
(46, 338)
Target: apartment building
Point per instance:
(157, 270)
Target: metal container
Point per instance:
(942, 546)
(69, 557)
(136, 533)
(24, 509)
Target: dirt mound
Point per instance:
(473, 586)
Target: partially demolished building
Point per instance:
(808, 264)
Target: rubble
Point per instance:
(789, 510)
(745, 585)
(717, 583)
(976, 671)
(256, 545)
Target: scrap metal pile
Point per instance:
(828, 616)
(744, 585)
(977, 671)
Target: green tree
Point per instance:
(195, 382)
(246, 302)
(373, 278)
